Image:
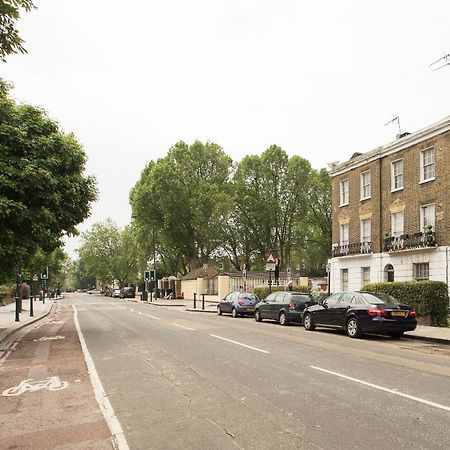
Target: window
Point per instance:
(397, 220)
(366, 230)
(212, 286)
(345, 192)
(426, 217)
(421, 271)
(344, 234)
(397, 175)
(344, 279)
(331, 301)
(365, 185)
(346, 298)
(427, 167)
(365, 275)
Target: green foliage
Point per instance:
(180, 200)
(43, 192)
(428, 298)
(110, 254)
(263, 292)
(10, 41)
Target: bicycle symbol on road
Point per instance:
(49, 338)
(30, 385)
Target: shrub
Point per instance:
(428, 298)
(263, 292)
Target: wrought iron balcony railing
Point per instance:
(352, 249)
(410, 241)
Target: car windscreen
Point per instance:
(248, 296)
(301, 298)
(378, 298)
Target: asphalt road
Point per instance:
(184, 380)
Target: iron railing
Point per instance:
(359, 248)
(410, 241)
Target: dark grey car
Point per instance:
(283, 306)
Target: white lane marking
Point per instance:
(100, 394)
(239, 343)
(381, 388)
(131, 309)
(49, 338)
(182, 326)
(139, 313)
(152, 317)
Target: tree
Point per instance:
(271, 194)
(10, 41)
(43, 192)
(180, 199)
(110, 254)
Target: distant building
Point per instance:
(391, 212)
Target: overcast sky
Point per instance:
(318, 78)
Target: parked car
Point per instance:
(115, 293)
(238, 304)
(94, 291)
(361, 312)
(283, 306)
(127, 292)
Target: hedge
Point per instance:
(428, 298)
(263, 292)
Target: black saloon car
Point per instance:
(283, 306)
(361, 312)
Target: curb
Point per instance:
(12, 330)
(202, 310)
(427, 339)
(157, 304)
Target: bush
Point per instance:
(428, 298)
(263, 292)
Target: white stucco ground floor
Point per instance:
(352, 272)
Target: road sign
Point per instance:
(244, 273)
(270, 259)
(35, 277)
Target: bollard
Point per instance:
(17, 309)
(151, 296)
(31, 306)
(195, 300)
(203, 301)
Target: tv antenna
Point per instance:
(441, 62)
(395, 119)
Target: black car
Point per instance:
(127, 292)
(361, 312)
(283, 306)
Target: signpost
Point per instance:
(270, 267)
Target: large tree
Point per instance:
(271, 193)
(180, 199)
(44, 193)
(10, 41)
(110, 253)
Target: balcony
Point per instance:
(410, 241)
(360, 248)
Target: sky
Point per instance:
(320, 79)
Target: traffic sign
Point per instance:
(35, 277)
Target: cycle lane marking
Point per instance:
(384, 389)
(182, 326)
(99, 392)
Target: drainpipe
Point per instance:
(380, 216)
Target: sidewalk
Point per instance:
(8, 325)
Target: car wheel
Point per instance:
(283, 319)
(258, 317)
(396, 335)
(234, 313)
(353, 328)
(308, 323)
(219, 311)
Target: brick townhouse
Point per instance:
(391, 212)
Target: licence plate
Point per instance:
(250, 309)
(399, 313)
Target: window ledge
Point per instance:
(427, 181)
(365, 198)
(396, 190)
(344, 204)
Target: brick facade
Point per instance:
(385, 200)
